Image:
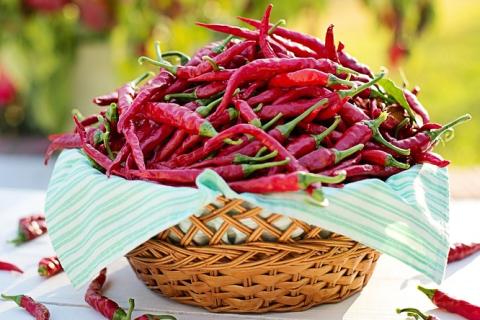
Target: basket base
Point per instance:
(256, 277)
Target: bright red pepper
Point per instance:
(246, 112)
(382, 158)
(263, 34)
(444, 301)
(368, 170)
(135, 148)
(7, 266)
(106, 99)
(432, 158)
(266, 96)
(307, 77)
(49, 266)
(330, 49)
(205, 91)
(36, 309)
(323, 157)
(29, 228)
(301, 92)
(64, 141)
(416, 106)
(460, 251)
(220, 75)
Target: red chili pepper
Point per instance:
(175, 115)
(175, 141)
(462, 250)
(250, 90)
(432, 158)
(265, 68)
(220, 75)
(64, 141)
(307, 77)
(330, 49)
(305, 144)
(415, 313)
(362, 132)
(249, 149)
(314, 128)
(266, 96)
(342, 165)
(460, 307)
(205, 91)
(246, 112)
(297, 49)
(153, 87)
(50, 266)
(106, 99)
(293, 181)
(423, 141)
(324, 157)
(108, 308)
(126, 93)
(29, 228)
(416, 105)
(368, 170)
(135, 149)
(263, 34)
(352, 114)
(288, 109)
(36, 309)
(301, 92)
(231, 172)
(315, 45)
(155, 317)
(430, 126)
(7, 266)
(382, 158)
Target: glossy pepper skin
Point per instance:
(63, 141)
(444, 301)
(324, 157)
(49, 266)
(7, 266)
(37, 310)
(460, 251)
(29, 228)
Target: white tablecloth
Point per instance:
(392, 284)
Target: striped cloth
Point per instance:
(94, 220)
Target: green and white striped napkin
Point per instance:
(93, 220)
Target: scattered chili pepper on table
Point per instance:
(38, 310)
(49, 266)
(7, 266)
(459, 251)
(444, 301)
(29, 228)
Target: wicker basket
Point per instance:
(273, 270)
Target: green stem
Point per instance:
(112, 113)
(78, 114)
(280, 22)
(258, 108)
(357, 90)
(42, 271)
(212, 62)
(342, 154)
(261, 151)
(318, 197)
(332, 80)
(223, 44)
(270, 123)
(162, 64)
(428, 292)
(16, 299)
(158, 50)
(392, 162)
(21, 238)
(141, 78)
(435, 134)
(240, 158)
(207, 130)
(413, 312)
(306, 179)
(232, 113)
(342, 69)
(206, 110)
(106, 140)
(287, 128)
(401, 125)
(319, 137)
(248, 169)
(374, 126)
(181, 95)
(184, 58)
(131, 307)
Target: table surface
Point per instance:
(392, 284)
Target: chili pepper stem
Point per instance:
(306, 179)
(16, 299)
(342, 154)
(343, 69)
(288, 127)
(42, 271)
(18, 240)
(141, 78)
(212, 62)
(184, 58)
(435, 134)
(353, 92)
(158, 50)
(277, 24)
(162, 64)
(131, 307)
(190, 95)
(374, 125)
(428, 292)
(240, 158)
(319, 137)
(270, 123)
(248, 169)
(205, 110)
(392, 162)
(411, 312)
(207, 130)
(332, 80)
(258, 108)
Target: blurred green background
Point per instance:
(56, 55)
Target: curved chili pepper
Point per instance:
(63, 141)
(108, 308)
(7, 266)
(308, 143)
(330, 49)
(460, 251)
(250, 90)
(158, 83)
(352, 114)
(342, 165)
(423, 141)
(206, 110)
(368, 170)
(184, 58)
(460, 307)
(220, 75)
(246, 112)
(382, 158)
(307, 77)
(29, 228)
(416, 106)
(324, 157)
(266, 96)
(430, 126)
(301, 92)
(126, 93)
(36, 309)
(106, 99)
(288, 109)
(205, 91)
(50, 266)
(263, 34)
(432, 158)
(412, 312)
(135, 148)
(293, 181)
(297, 49)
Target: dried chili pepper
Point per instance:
(412, 312)
(126, 93)
(36, 309)
(330, 49)
(382, 158)
(416, 106)
(108, 308)
(205, 91)
(136, 150)
(263, 34)
(64, 141)
(106, 99)
(293, 181)
(220, 75)
(444, 301)
(307, 77)
(49, 266)
(29, 228)
(368, 170)
(432, 158)
(462, 250)
(323, 157)
(352, 114)
(7, 266)
(288, 109)
(247, 150)
(301, 92)
(246, 112)
(266, 96)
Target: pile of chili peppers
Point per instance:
(269, 109)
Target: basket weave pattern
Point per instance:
(274, 269)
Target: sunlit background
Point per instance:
(55, 55)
